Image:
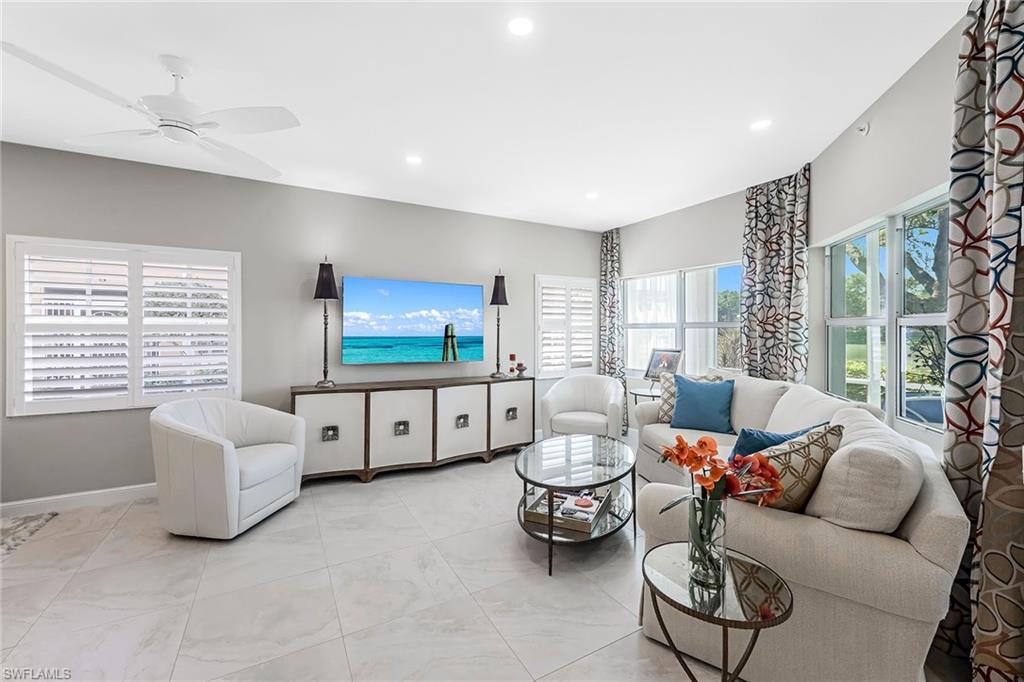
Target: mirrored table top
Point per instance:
(753, 596)
(575, 462)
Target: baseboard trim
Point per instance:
(89, 498)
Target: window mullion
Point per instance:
(135, 345)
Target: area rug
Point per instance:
(14, 531)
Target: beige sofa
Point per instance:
(866, 604)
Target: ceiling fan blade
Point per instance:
(100, 139)
(234, 156)
(72, 78)
(245, 120)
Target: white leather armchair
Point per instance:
(586, 403)
(223, 466)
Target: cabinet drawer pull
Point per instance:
(328, 433)
(462, 421)
(402, 428)
(512, 414)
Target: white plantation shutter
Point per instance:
(113, 326)
(74, 328)
(566, 324)
(185, 327)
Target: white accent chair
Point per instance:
(585, 403)
(222, 466)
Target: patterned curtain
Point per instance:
(610, 361)
(773, 316)
(985, 342)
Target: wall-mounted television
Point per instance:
(389, 321)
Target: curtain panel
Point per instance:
(985, 342)
(610, 360)
(773, 315)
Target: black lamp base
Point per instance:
(499, 375)
(325, 383)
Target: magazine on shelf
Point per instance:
(577, 511)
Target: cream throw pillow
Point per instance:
(872, 480)
(800, 463)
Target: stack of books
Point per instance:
(578, 512)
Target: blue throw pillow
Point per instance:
(756, 440)
(703, 405)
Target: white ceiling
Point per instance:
(647, 104)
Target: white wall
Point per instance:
(282, 233)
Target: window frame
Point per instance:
(135, 255)
(567, 282)
(681, 324)
(895, 320)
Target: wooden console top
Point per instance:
(404, 384)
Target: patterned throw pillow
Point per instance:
(668, 393)
(800, 462)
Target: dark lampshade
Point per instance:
(326, 287)
(498, 296)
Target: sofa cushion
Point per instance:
(258, 463)
(667, 401)
(655, 436)
(803, 406)
(580, 422)
(800, 462)
(705, 405)
(753, 401)
(872, 480)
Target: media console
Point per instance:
(361, 429)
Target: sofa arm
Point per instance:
(668, 527)
(646, 413)
(936, 524)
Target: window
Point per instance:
(888, 309)
(99, 326)
(695, 310)
(857, 325)
(566, 326)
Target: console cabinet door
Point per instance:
(461, 420)
(327, 416)
(391, 413)
(511, 413)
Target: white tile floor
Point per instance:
(417, 575)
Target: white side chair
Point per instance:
(222, 466)
(586, 403)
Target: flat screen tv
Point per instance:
(389, 321)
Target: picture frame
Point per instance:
(662, 360)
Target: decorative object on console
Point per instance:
(521, 369)
(718, 480)
(326, 290)
(498, 298)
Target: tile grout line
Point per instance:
(188, 619)
(334, 595)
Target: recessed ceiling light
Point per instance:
(763, 124)
(591, 195)
(520, 26)
(413, 160)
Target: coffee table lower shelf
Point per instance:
(621, 509)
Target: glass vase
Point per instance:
(707, 542)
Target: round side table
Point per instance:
(754, 597)
(644, 392)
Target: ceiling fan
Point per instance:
(175, 118)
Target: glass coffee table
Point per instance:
(573, 464)
(754, 597)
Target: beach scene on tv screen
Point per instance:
(394, 321)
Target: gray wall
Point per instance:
(282, 232)
(854, 181)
